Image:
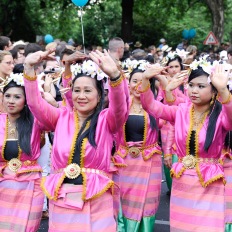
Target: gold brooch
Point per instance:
(72, 171)
(14, 164)
(189, 161)
(134, 152)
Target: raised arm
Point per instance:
(118, 90)
(153, 107)
(219, 79)
(45, 113)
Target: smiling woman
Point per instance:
(20, 194)
(79, 187)
(201, 125)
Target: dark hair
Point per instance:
(153, 122)
(66, 51)
(178, 59)
(91, 131)
(18, 68)
(4, 42)
(31, 48)
(214, 111)
(24, 123)
(14, 54)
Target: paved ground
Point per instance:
(162, 219)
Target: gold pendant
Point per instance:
(134, 152)
(14, 164)
(189, 161)
(72, 171)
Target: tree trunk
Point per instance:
(216, 8)
(127, 19)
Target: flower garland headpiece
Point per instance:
(130, 65)
(203, 63)
(18, 79)
(89, 68)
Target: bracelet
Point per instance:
(227, 100)
(116, 78)
(167, 155)
(28, 77)
(116, 81)
(142, 91)
(170, 101)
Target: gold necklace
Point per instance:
(197, 121)
(134, 108)
(12, 129)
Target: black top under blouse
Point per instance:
(76, 159)
(134, 128)
(11, 149)
(192, 143)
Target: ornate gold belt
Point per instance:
(190, 161)
(73, 170)
(15, 164)
(135, 151)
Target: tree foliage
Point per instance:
(102, 19)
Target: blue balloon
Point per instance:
(48, 39)
(192, 33)
(80, 3)
(185, 34)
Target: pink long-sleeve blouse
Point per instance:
(29, 163)
(64, 122)
(180, 116)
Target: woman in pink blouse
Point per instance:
(79, 186)
(197, 199)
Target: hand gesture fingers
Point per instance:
(105, 62)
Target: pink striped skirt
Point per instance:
(140, 187)
(21, 205)
(194, 208)
(70, 213)
(228, 190)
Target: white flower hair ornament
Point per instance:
(203, 63)
(89, 68)
(19, 80)
(182, 53)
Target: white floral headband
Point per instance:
(89, 68)
(130, 65)
(18, 79)
(209, 68)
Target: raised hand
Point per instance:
(152, 71)
(105, 62)
(75, 57)
(177, 80)
(220, 77)
(37, 57)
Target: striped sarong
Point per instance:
(94, 215)
(140, 187)
(21, 205)
(228, 190)
(194, 208)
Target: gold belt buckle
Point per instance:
(134, 152)
(189, 161)
(14, 164)
(72, 171)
